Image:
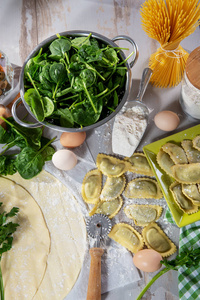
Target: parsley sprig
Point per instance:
(187, 258)
(7, 228)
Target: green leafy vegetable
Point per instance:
(187, 258)
(58, 48)
(70, 76)
(29, 162)
(7, 228)
(33, 150)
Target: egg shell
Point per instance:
(147, 260)
(64, 159)
(166, 120)
(72, 139)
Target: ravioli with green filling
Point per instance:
(176, 153)
(108, 208)
(127, 236)
(111, 166)
(113, 187)
(184, 203)
(91, 186)
(156, 239)
(139, 164)
(143, 188)
(186, 173)
(143, 214)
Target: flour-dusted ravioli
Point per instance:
(176, 153)
(186, 173)
(193, 155)
(111, 166)
(184, 203)
(191, 191)
(143, 214)
(139, 164)
(196, 142)
(113, 187)
(127, 236)
(156, 239)
(165, 162)
(108, 208)
(91, 186)
(143, 188)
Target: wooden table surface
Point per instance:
(25, 23)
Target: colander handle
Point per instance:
(135, 47)
(14, 114)
(94, 283)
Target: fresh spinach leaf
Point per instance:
(22, 135)
(80, 41)
(48, 105)
(66, 118)
(29, 162)
(58, 48)
(7, 165)
(36, 104)
(85, 115)
(58, 73)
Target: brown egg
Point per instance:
(72, 139)
(147, 260)
(6, 113)
(166, 120)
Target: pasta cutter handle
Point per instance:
(94, 283)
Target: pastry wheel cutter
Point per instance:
(98, 226)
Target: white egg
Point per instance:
(64, 159)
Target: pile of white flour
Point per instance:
(128, 130)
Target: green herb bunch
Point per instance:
(6, 231)
(74, 82)
(187, 258)
(30, 152)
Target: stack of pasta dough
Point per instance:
(50, 242)
(105, 187)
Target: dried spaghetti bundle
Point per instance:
(169, 22)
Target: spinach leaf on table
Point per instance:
(21, 136)
(29, 162)
(7, 165)
(33, 150)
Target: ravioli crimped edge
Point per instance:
(158, 195)
(158, 209)
(87, 175)
(119, 193)
(138, 170)
(98, 204)
(114, 160)
(187, 211)
(134, 248)
(173, 248)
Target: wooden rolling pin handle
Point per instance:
(94, 283)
